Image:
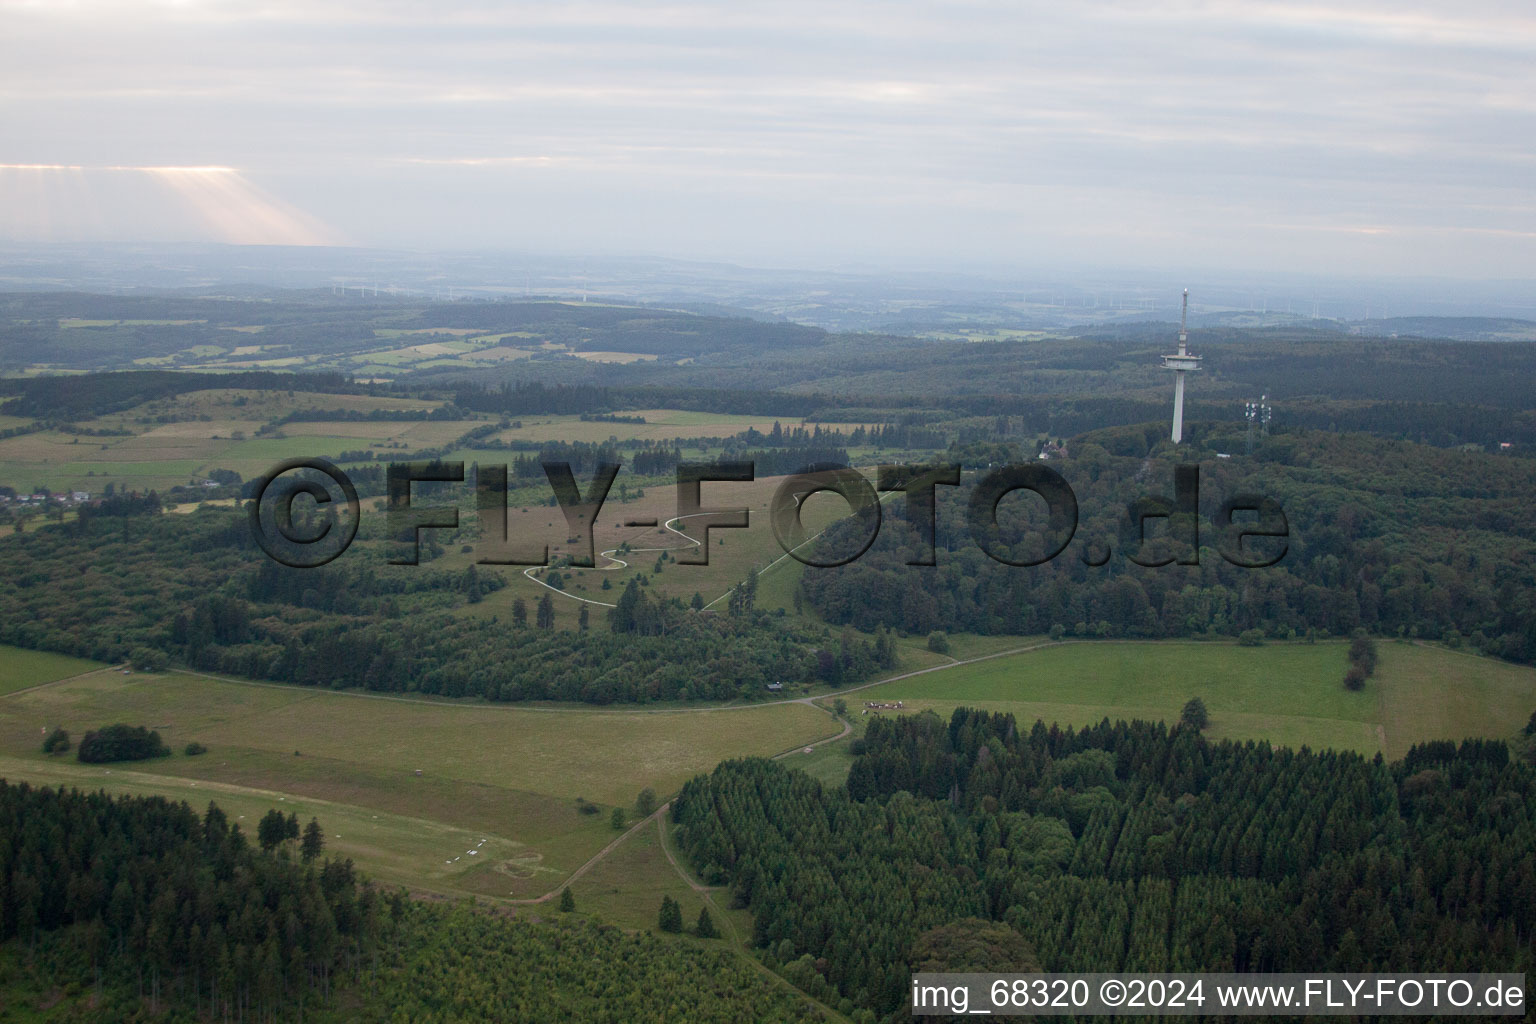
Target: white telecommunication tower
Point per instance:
(1181, 363)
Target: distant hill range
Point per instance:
(1456, 328)
(1291, 325)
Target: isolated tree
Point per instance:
(1195, 715)
(618, 819)
(671, 917)
(1362, 653)
(58, 740)
(839, 707)
(567, 901)
(749, 590)
(697, 604)
(546, 613)
(313, 842)
(938, 642)
(645, 803)
(1354, 678)
(519, 612)
(706, 926)
(272, 829)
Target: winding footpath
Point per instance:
(619, 563)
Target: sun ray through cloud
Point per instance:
(69, 202)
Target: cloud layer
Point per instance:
(1360, 136)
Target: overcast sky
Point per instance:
(1370, 137)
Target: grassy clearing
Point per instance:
(626, 887)
(392, 848)
(20, 668)
(514, 777)
(1290, 694)
(732, 553)
(94, 476)
(830, 762)
(603, 756)
(1430, 693)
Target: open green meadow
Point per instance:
(515, 778)
(1291, 694)
(626, 887)
(21, 669)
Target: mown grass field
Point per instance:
(626, 887)
(20, 669)
(1289, 694)
(395, 849)
(514, 777)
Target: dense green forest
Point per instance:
(194, 590)
(138, 909)
(459, 964)
(1125, 846)
(1393, 537)
(161, 905)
